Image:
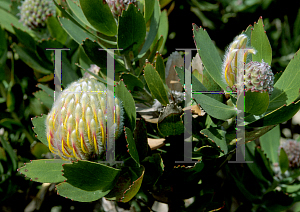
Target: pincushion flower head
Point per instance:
(34, 13)
(254, 76)
(76, 125)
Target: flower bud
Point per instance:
(259, 77)
(254, 76)
(76, 125)
(231, 62)
(117, 6)
(292, 149)
(33, 13)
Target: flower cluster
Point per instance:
(34, 13)
(259, 77)
(117, 6)
(76, 125)
(292, 149)
(254, 76)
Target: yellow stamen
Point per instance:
(68, 140)
(103, 136)
(53, 121)
(89, 134)
(65, 122)
(63, 149)
(50, 146)
(76, 126)
(95, 144)
(81, 141)
(73, 140)
(74, 153)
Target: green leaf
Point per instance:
(3, 50)
(99, 57)
(160, 67)
(141, 139)
(64, 12)
(97, 12)
(286, 89)
(128, 104)
(10, 100)
(7, 21)
(277, 76)
(49, 44)
(5, 4)
(39, 150)
(90, 176)
(153, 30)
(210, 84)
(40, 128)
(255, 102)
(10, 151)
(30, 59)
(131, 29)
(206, 152)
(242, 187)
(155, 48)
(292, 188)
(45, 88)
(44, 171)
(155, 167)
(164, 3)
(131, 145)
(68, 74)
(215, 108)
(171, 123)
(56, 30)
(132, 190)
(255, 166)
(278, 116)
(131, 81)
(270, 143)
(248, 32)
(197, 85)
(217, 136)
(127, 185)
(249, 135)
(265, 165)
(25, 38)
(44, 98)
(10, 123)
(148, 9)
(260, 42)
(155, 84)
(76, 9)
(67, 190)
(163, 29)
(14, 7)
(14, 97)
(75, 31)
(209, 55)
(84, 61)
(283, 161)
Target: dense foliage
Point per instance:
(178, 142)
